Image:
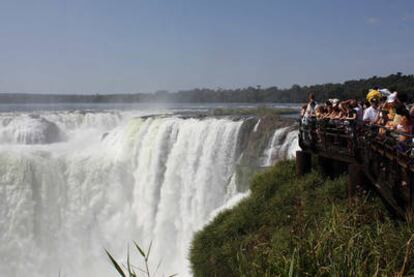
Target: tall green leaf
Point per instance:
(139, 249)
(116, 265)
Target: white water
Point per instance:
(283, 145)
(74, 183)
(256, 126)
(104, 179)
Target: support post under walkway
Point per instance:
(303, 163)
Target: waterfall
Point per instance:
(69, 191)
(256, 126)
(283, 145)
(74, 183)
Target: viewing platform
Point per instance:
(373, 157)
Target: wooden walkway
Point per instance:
(374, 157)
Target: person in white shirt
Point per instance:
(371, 113)
(309, 111)
(310, 108)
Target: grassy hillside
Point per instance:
(303, 227)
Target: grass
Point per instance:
(303, 227)
(130, 270)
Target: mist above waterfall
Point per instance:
(74, 183)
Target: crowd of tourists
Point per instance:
(386, 109)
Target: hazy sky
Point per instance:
(104, 46)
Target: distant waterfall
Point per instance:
(283, 145)
(256, 126)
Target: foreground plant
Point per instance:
(129, 269)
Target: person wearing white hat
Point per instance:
(334, 101)
(385, 92)
(392, 97)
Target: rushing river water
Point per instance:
(76, 180)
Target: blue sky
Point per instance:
(85, 46)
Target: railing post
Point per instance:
(303, 163)
(410, 184)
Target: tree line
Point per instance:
(295, 94)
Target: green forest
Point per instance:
(295, 94)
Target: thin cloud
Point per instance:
(373, 20)
(408, 17)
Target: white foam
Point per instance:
(115, 179)
(283, 145)
(111, 178)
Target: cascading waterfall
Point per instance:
(283, 145)
(147, 179)
(74, 183)
(256, 126)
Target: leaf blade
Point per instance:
(115, 263)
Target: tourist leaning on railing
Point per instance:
(404, 126)
(387, 113)
(308, 110)
(383, 119)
